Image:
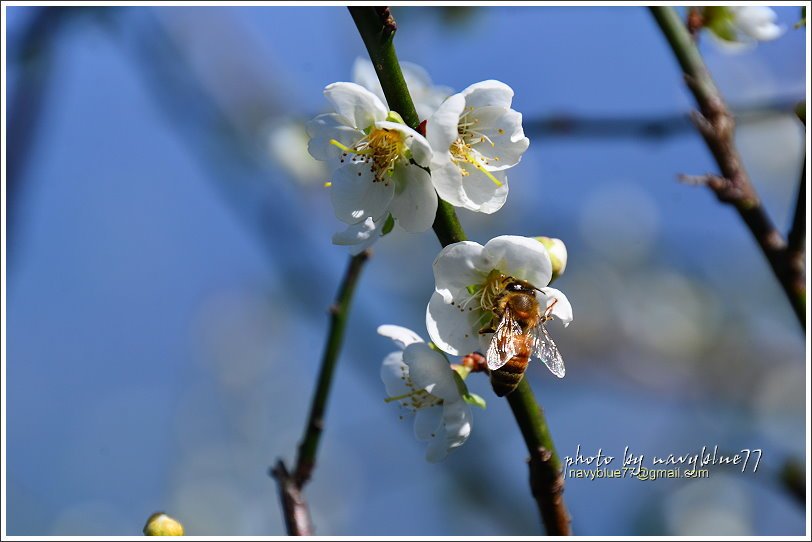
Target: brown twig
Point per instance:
(732, 186)
(797, 232)
(546, 470)
(294, 505)
(547, 486)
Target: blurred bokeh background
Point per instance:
(170, 268)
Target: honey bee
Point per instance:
(519, 332)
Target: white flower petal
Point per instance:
(447, 180)
(416, 76)
(356, 195)
(519, 257)
(361, 246)
(455, 430)
(757, 22)
(487, 93)
(505, 136)
(441, 128)
(421, 150)
(430, 371)
(428, 422)
(457, 421)
(401, 336)
(356, 233)
(426, 96)
(329, 126)
(562, 308)
(363, 73)
(458, 266)
(356, 104)
(437, 449)
(415, 203)
(481, 193)
(453, 331)
(393, 375)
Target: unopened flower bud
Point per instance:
(558, 254)
(159, 524)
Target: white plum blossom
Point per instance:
(426, 96)
(421, 380)
(757, 22)
(463, 272)
(379, 165)
(738, 28)
(476, 137)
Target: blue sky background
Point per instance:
(169, 279)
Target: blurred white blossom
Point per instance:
(741, 27)
(287, 145)
(426, 96)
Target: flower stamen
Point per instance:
(382, 148)
(462, 152)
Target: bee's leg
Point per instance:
(549, 310)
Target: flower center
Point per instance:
(462, 149)
(381, 149)
(483, 298)
(415, 399)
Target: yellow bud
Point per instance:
(557, 252)
(159, 524)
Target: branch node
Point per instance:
(476, 362)
(703, 124)
(387, 20)
(294, 506)
(547, 486)
(726, 190)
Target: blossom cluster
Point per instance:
(385, 172)
(494, 298)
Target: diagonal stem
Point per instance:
(796, 237)
(291, 484)
(377, 29)
(715, 124)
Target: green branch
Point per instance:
(716, 125)
(377, 29)
(294, 506)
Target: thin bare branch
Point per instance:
(733, 187)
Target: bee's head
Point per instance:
(520, 286)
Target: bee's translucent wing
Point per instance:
(502, 348)
(546, 350)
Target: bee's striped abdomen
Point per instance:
(505, 379)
